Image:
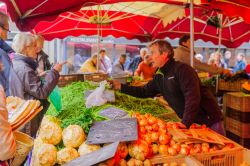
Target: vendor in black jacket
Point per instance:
(181, 88)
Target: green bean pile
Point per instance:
(133, 104)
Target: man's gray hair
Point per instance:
(164, 46)
(144, 50)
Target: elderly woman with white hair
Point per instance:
(25, 81)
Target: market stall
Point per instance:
(78, 134)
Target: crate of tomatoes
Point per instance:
(158, 143)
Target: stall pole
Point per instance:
(192, 33)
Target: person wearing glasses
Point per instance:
(4, 50)
(7, 141)
(25, 82)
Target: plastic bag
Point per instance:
(96, 97)
(56, 99)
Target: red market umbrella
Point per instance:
(140, 20)
(233, 8)
(210, 26)
(27, 13)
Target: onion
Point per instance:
(155, 148)
(163, 149)
(172, 151)
(184, 151)
(164, 139)
(177, 147)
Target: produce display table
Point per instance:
(63, 136)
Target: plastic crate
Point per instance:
(238, 101)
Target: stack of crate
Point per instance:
(237, 117)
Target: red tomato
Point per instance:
(162, 130)
(172, 142)
(143, 130)
(143, 122)
(164, 139)
(148, 128)
(160, 122)
(155, 127)
(175, 126)
(169, 125)
(152, 120)
(147, 115)
(193, 126)
(147, 138)
(230, 145)
(203, 126)
(154, 136)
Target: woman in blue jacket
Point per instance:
(240, 64)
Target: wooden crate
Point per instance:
(242, 141)
(68, 79)
(232, 86)
(179, 159)
(238, 128)
(238, 101)
(96, 77)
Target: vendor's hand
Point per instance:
(226, 72)
(58, 66)
(116, 85)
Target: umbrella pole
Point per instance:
(192, 33)
(98, 39)
(98, 46)
(220, 32)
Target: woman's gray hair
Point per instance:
(21, 41)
